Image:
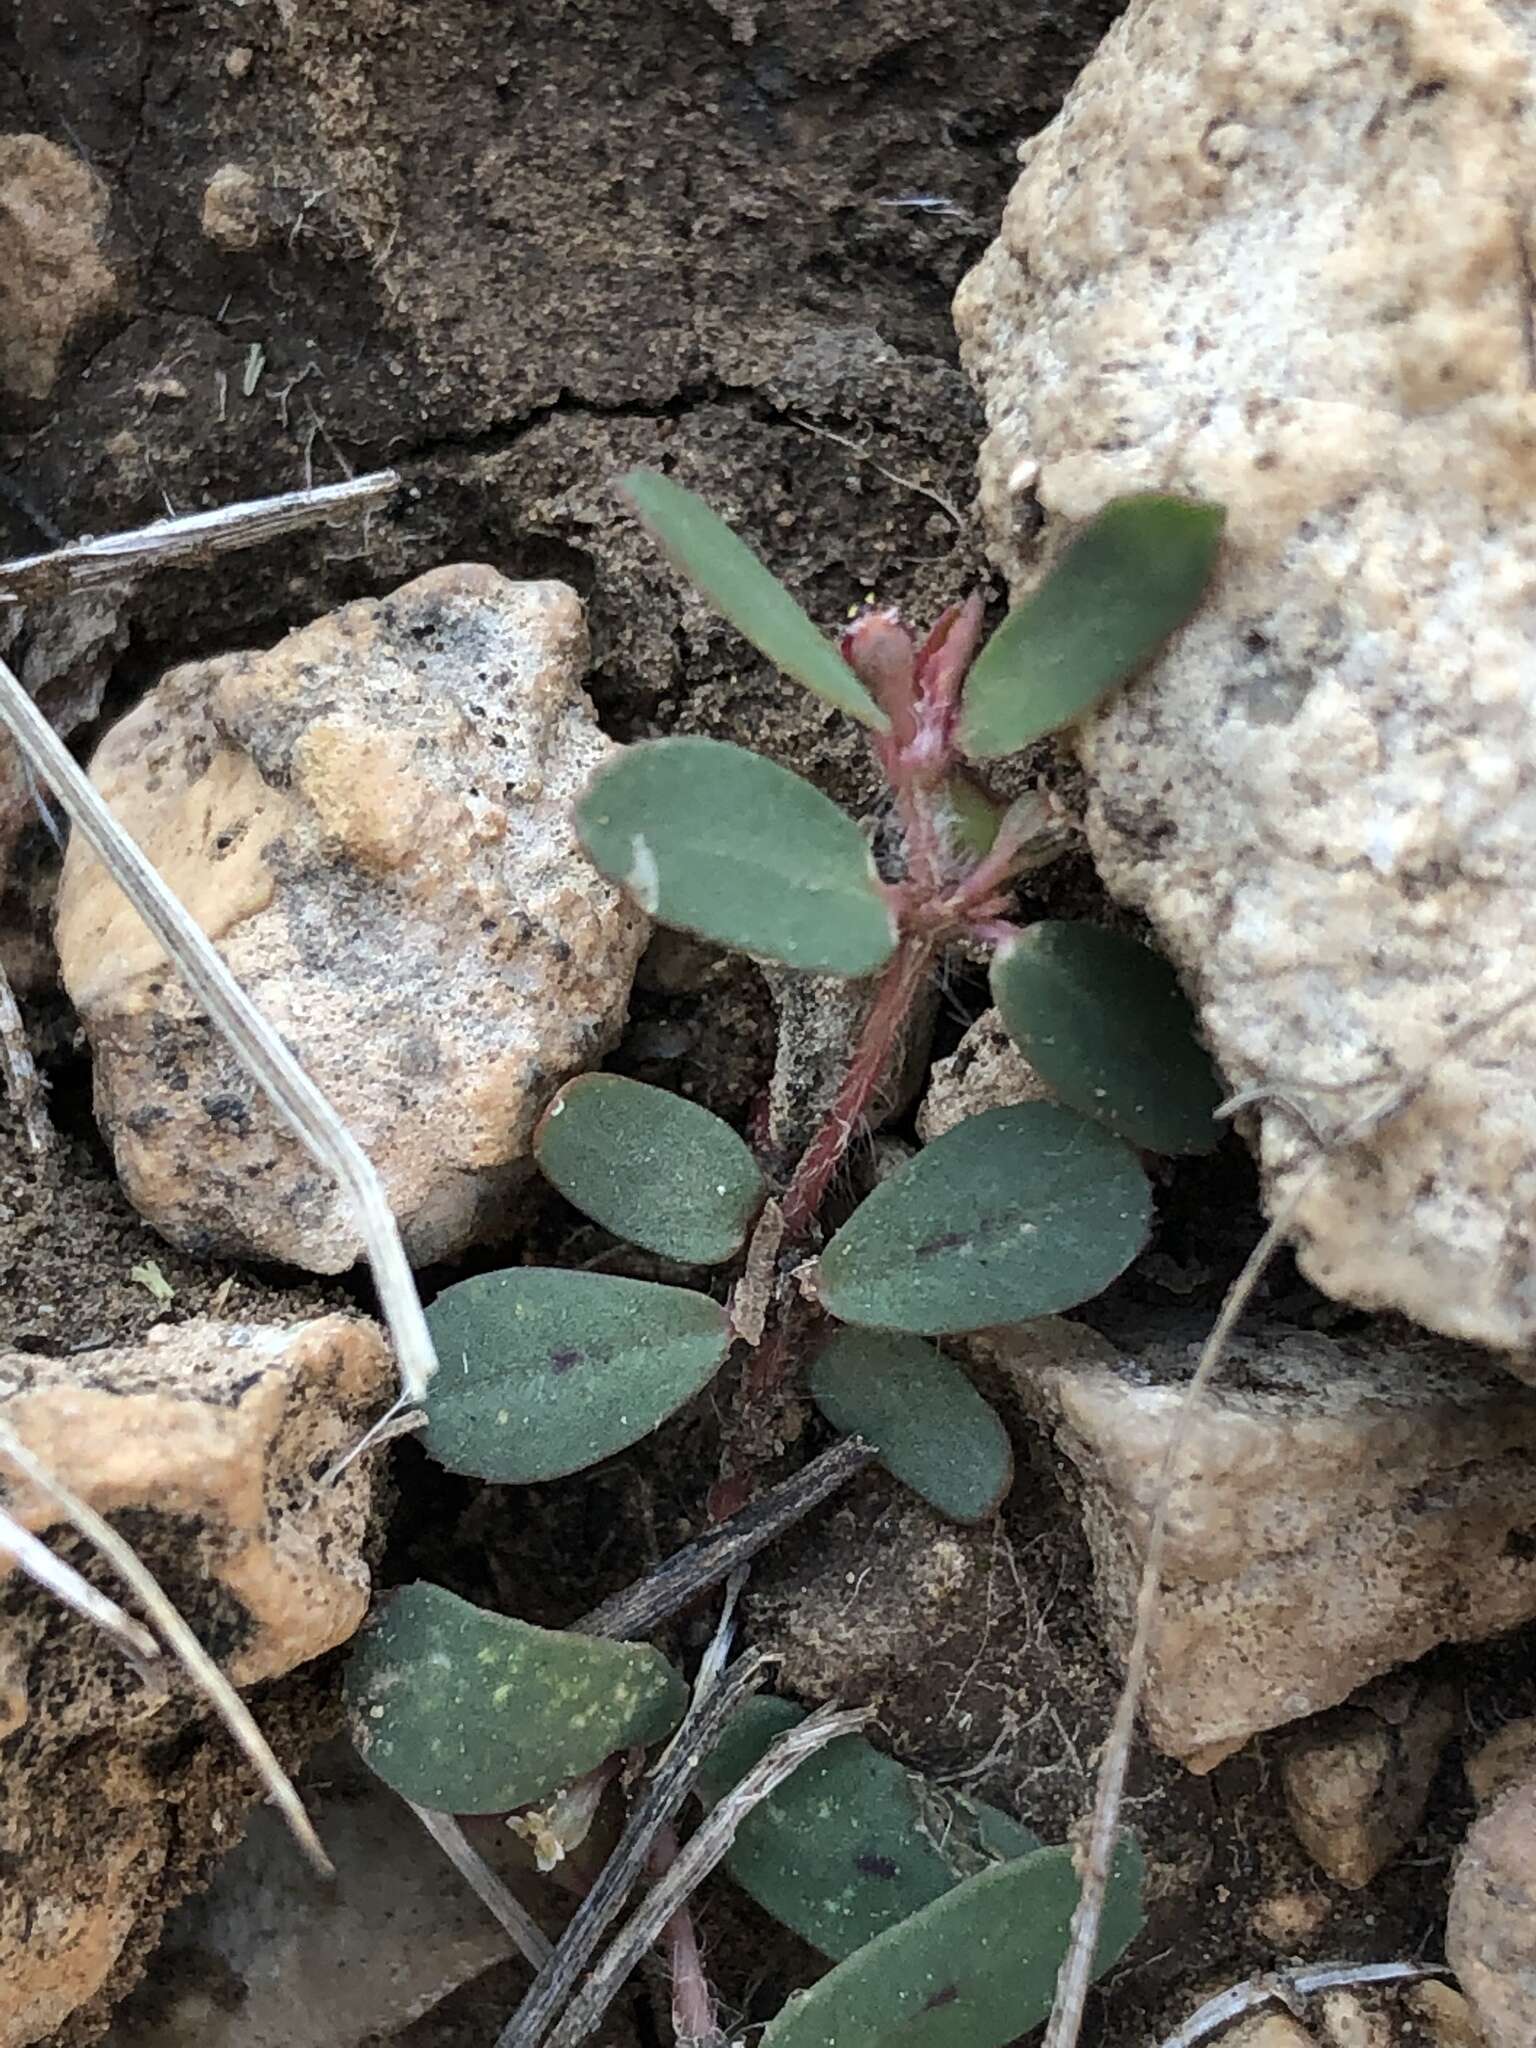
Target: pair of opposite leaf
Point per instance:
(945, 1919)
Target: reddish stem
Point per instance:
(694, 2024)
(888, 1013)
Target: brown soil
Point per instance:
(511, 249)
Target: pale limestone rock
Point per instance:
(212, 1439)
(1489, 1941)
(1357, 1779)
(1501, 1762)
(1443, 2015)
(1345, 1510)
(985, 1071)
(1274, 255)
(375, 822)
(52, 276)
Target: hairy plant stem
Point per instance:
(894, 997)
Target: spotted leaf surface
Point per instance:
(723, 843)
(1013, 1214)
(975, 1969)
(1103, 1021)
(543, 1371)
(1132, 577)
(650, 1166)
(853, 1842)
(473, 1712)
(933, 1431)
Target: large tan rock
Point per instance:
(207, 1443)
(1277, 255)
(1342, 1510)
(375, 822)
(1489, 1937)
(52, 276)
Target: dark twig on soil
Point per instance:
(196, 537)
(704, 1849)
(656, 1808)
(1288, 1989)
(703, 1563)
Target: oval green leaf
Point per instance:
(975, 1969)
(543, 1372)
(1103, 1021)
(1013, 1214)
(1127, 582)
(721, 566)
(933, 1431)
(852, 1842)
(650, 1166)
(707, 836)
(473, 1712)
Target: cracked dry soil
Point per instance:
(511, 249)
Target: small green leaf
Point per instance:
(650, 1166)
(543, 1372)
(975, 1969)
(1013, 1214)
(1132, 578)
(932, 1429)
(1103, 1021)
(733, 847)
(473, 1712)
(721, 566)
(853, 1842)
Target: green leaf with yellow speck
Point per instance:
(472, 1712)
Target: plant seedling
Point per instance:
(946, 1920)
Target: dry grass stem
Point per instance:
(200, 1667)
(33, 1557)
(1287, 1989)
(257, 1045)
(700, 1855)
(533, 1943)
(195, 537)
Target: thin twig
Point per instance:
(259, 1048)
(1287, 1988)
(907, 483)
(500, 1902)
(194, 538)
(704, 1849)
(200, 1667)
(658, 1805)
(1077, 1966)
(701, 1564)
(23, 1083)
(33, 1557)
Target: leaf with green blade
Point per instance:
(1103, 1021)
(1122, 587)
(543, 1372)
(853, 1842)
(975, 1969)
(721, 566)
(650, 1166)
(1013, 1214)
(723, 843)
(933, 1431)
(473, 1712)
